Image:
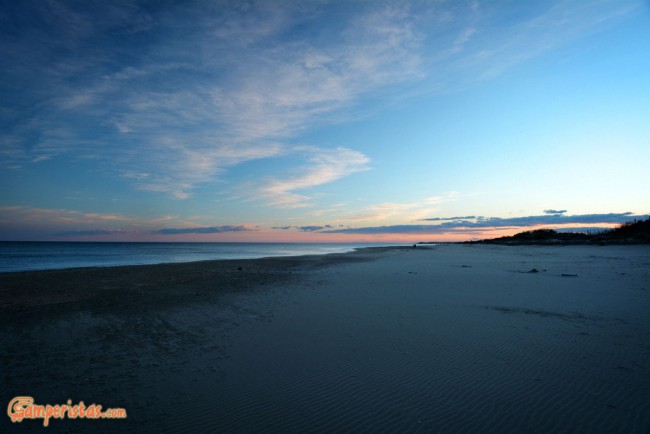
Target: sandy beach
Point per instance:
(446, 338)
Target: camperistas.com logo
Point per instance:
(23, 407)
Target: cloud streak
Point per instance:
(92, 232)
(19, 214)
(312, 228)
(483, 223)
(546, 219)
(203, 230)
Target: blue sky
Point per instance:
(321, 120)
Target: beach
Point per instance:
(441, 338)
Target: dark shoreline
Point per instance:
(33, 295)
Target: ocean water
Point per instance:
(25, 256)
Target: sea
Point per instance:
(28, 256)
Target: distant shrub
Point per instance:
(538, 234)
(635, 231)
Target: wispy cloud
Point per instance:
(546, 27)
(325, 166)
(194, 165)
(409, 211)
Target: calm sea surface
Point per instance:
(23, 256)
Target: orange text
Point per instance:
(23, 407)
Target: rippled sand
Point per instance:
(451, 338)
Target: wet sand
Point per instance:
(450, 338)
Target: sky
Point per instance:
(321, 121)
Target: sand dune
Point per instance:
(453, 338)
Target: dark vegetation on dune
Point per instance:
(637, 232)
